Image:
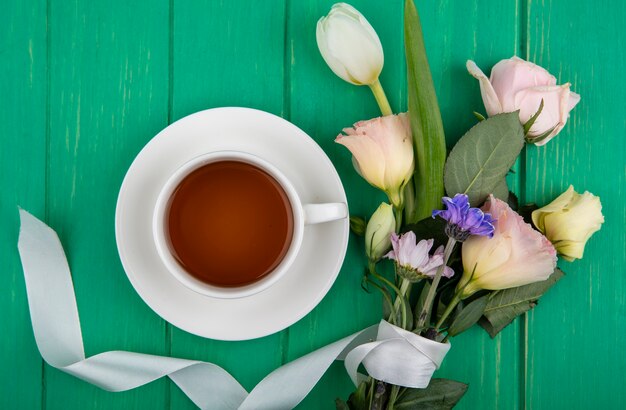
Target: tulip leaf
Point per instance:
(468, 316)
(481, 159)
(505, 305)
(429, 140)
(441, 394)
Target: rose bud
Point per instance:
(382, 150)
(516, 255)
(349, 45)
(378, 232)
(569, 221)
(516, 84)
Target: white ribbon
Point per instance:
(387, 352)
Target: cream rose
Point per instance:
(382, 150)
(569, 221)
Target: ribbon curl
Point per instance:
(387, 352)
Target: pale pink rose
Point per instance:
(382, 150)
(516, 84)
(516, 255)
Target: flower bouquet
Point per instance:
(463, 251)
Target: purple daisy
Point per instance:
(463, 220)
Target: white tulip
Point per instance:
(349, 45)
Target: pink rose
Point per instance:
(516, 84)
(516, 255)
(382, 150)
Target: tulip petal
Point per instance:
(334, 63)
(351, 43)
(490, 98)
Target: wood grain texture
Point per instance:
(108, 97)
(86, 84)
(23, 82)
(576, 335)
(322, 104)
(227, 53)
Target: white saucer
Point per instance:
(286, 147)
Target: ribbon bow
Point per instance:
(388, 353)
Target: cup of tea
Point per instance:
(229, 224)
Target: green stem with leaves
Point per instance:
(381, 98)
(455, 301)
(392, 318)
(393, 396)
(433, 287)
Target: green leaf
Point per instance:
(357, 225)
(429, 228)
(441, 394)
(479, 116)
(428, 136)
(531, 121)
(483, 156)
(501, 191)
(468, 316)
(505, 305)
(358, 399)
(341, 405)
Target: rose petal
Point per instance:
(490, 98)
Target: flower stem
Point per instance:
(400, 302)
(398, 211)
(381, 98)
(455, 301)
(393, 396)
(433, 287)
(372, 269)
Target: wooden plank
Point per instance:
(322, 104)
(455, 32)
(575, 336)
(108, 97)
(22, 178)
(227, 53)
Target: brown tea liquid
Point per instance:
(229, 223)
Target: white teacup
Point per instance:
(303, 214)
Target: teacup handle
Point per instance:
(318, 213)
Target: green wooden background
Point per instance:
(85, 84)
